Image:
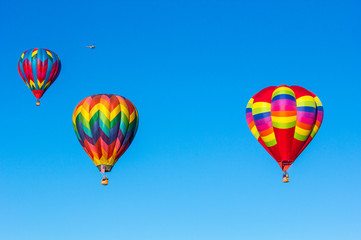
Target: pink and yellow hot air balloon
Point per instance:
(39, 68)
(284, 120)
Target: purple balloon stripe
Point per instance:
(95, 132)
(104, 137)
(79, 127)
(319, 117)
(113, 134)
(248, 115)
(284, 102)
(263, 127)
(306, 120)
(263, 121)
(89, 139)
(320, 113)
(120, 137)
(129, 137)
(306, 115)
(126, 139)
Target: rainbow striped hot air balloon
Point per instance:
(39, 68)
(284, 120)
(105, 126)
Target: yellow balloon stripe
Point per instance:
(85, 114)
(284, 90)
(314, 131)
(250, 103)
(114, 113)
(318, 101)
(49, 53)
(47, 85)
(32, 84)
(261, 107)
(284, 119)
(255, 132)
(125, 111)
(76, 113)
(99, 107)
(302, 131)
(40, 84)
(132, 117)
(268, 138)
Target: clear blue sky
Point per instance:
(194, 170)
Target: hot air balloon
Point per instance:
(105, 126)
(91, 46)
(39, 68)
(284, 120)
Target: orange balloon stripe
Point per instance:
(266, 132)
(283, 113)
(304, 125)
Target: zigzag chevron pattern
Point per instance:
(105, 126)
(39, 68)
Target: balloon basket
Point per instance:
(285, 178)
(104, 181)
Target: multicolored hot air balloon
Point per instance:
(105, 126)
(284, 120)
(39, 68)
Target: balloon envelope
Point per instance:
(284, 120)
(105, 126)
(39, 68)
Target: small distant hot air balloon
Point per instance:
(39, 68)
(90, 46)
(284, 120)
(105, 126)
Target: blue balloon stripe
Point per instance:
(261, 116)
(283, 96)
(307, 109)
